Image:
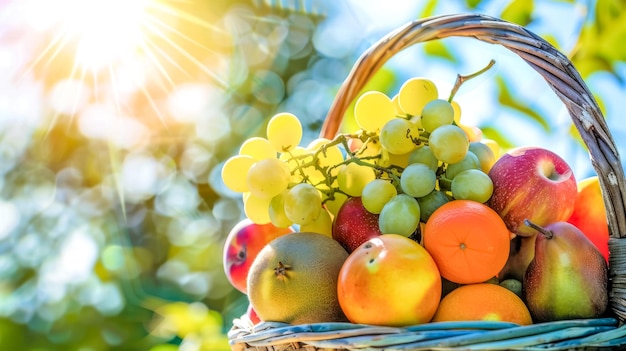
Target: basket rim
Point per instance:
(556, 69)
(604, 332)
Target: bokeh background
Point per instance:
(116, 116)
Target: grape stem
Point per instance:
(460, 79)
(303, 161)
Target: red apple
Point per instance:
(590, 214)
(252, 315)
(242, 245)
(354, 224)
(532, 183)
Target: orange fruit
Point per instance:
(482, 301)
(468, 240)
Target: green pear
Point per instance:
(567, 278)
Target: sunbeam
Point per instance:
(101, 35)
(94, 44)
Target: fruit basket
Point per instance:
(605, 332)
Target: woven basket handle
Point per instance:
(555, 68)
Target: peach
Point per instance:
(389, 280)
(252, 315)
(242, 245)
(590, 214)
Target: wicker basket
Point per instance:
(560, 74)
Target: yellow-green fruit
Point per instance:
(293, 279)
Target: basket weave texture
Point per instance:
(560, 74)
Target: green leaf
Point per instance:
(601, 43)
(438, 49)
(573, 132)
(472, 4)
(383, 80)
(490, 132)
(429, 9)
(506, 98)
(551, 39)
(165, 347)
(519, 11)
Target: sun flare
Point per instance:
(105, 30)
(93, 41)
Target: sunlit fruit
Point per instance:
(532, 183)
(590, 214)
(354, 224)
(293, 279)
(482, 301)
(567, 278)
(252, 316)
(389, 280)
(468, 240)
(242, 244)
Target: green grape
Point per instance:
(311, 174)
(424, 155)
(417, 120)
(372, 110)
(472, 184)
(268, 177)
(284, 131)
(396, 105)
(400, 160)
(473, 133)
(330, 156)
(369, 152)
(437, 113)
(387, 159)
(323, 224)
(376, 194)
(415, 93)
(235, 171)
(277, 211)
(457, 112)
(399, 136)
(256, 208)
(449, 143)
(401, 215)
(289, 157)
(418, 180)
(303, 203)
(470, 161)
(257, 147)
(334, 204)
(431, 202)
(484, 153)
(293, 160)
(352, 178)
(493, 145)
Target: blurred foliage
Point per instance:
(112, 212)
(508, 99)
(600, 45)
(518, 11)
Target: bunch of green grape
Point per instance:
(283, 182)
(410, 156)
